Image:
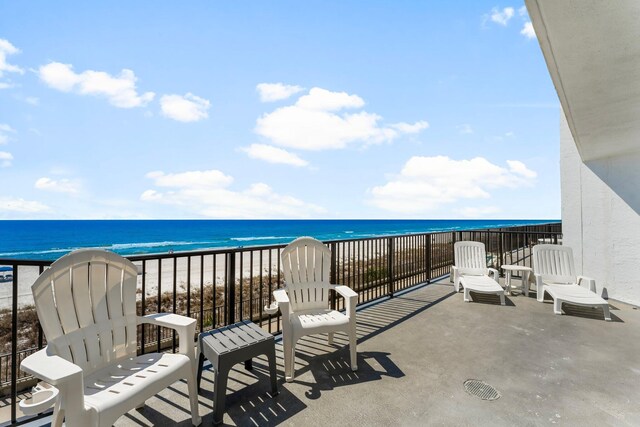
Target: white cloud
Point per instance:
(426, 183)
(411, 128)
(500, 138)
(270, 92)
(5, 159)
(478, 212)
(523, 11)
(6, 49)
(528, 31)
(465, 129)
(4, 130)
(191, 179)
(520, 168)
(207, 194)
(316, 122)
(503, 16)
(325, 100)
(272, 154)
(32, 100)
(59, 186)
(119, 90)
(187, 108)
(20, 205)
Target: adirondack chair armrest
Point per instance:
(493, 273)
(590, 282)
(345, 291)
(184, 326)
(51, 368)
(349, 295)
(282, 298)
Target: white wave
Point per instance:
(113, 247)
(122, 246)
(249, 239)
(48, 251)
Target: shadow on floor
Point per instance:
(492, 299)
(589, 312)
(333, 370)
(595, 313)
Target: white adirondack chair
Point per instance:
(470, 271)
(304, 302)
(86, 304)
(554, 272)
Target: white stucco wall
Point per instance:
(601, 217)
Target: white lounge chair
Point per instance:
(555, 274)
(86, 303)
(304, 302)
(470, 271)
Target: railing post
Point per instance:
(390, 260)
(428, 257)
(231, 287)
(453, 243)
(14, 345)
(143, 307)
(500, 250)
(333, 274)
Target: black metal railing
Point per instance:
(223, 286)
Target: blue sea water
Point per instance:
(51, 239)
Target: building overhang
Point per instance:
(592, 50)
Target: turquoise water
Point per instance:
(51, 239)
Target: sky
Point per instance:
(275, 109)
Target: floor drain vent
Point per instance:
(481, 389)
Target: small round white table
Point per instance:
(510, 269)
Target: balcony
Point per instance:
(415, 349)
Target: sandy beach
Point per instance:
(183, 273)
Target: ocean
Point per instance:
(50, 239)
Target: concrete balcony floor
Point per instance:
(415, 352)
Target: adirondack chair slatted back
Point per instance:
(86, 304)
(470, 258)
(305, 263)
(554, 263)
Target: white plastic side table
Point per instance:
(510, 269)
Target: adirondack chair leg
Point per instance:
(289, 360)
(353, 342)
(58, 415)
(192, 386)
(141, 405)
(607, 314)
(330, 340)
(467, 297)
(502, 299)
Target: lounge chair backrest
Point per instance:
(305, 263)
(86, 303)
(470, 258)
(554, 263)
